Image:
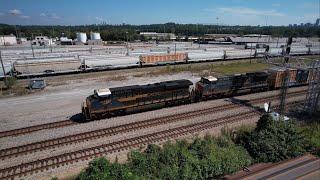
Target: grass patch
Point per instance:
(210, 69)
(239, 68)
(16, 90)
(311, 131)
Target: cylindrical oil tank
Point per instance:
(95, 36)
(82, 37)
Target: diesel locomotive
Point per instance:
(114, 101)
(122, 100)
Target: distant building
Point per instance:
(262, 40)
(65, 41)
(22, 40)
(256, 35)
(308, 24)
(95, 42)
(158, 36)
(318, 22)
(8, 40)
(42, 41)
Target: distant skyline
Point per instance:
(227, 12)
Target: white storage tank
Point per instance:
(95, 36)
(82, 37)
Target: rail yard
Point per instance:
(75, 59)
(222, 102)
(77, 117)
(72, 144)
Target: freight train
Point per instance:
(87, 63)
(122, 100)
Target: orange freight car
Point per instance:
(277, 75)
(163, 58)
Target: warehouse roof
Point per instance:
(304, 167)
(264, 39)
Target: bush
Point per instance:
(10, 82)
(101, 168)
(311, 131)
(201, 159)
(273, 141)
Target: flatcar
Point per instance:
(121, 100)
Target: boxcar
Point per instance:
(302, 76)
(163, 59)
(120, 100)
(277, 75)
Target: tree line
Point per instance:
(123, 31)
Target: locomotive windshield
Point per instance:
(209, 80)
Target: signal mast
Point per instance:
(287, 61)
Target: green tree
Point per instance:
(274, 141)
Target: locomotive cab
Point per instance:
(203, 85)
(102, 94)
(100, 98)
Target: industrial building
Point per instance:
(81, 38)
(42, 41)
(95, 39)
(158, 36)
(263, 39)
(65, 41)
(8, 40)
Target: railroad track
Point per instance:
(30, 129)
(110, 131)
(41, 165)
(26, 130)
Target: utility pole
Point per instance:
(127, 54)
(4, 71)
(175, 51)
(283, 93)
(312, 99)
(15, 27)
(198, 35)
(32, 49)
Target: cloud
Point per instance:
(51, 16)
(249, 11)
(99, 18)
(24, 17)
(1, 14)
(309, 6)
(276, 4)
(54, 16)
(15, 12)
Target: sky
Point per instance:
(227, 12)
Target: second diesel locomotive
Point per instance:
(121, 100)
